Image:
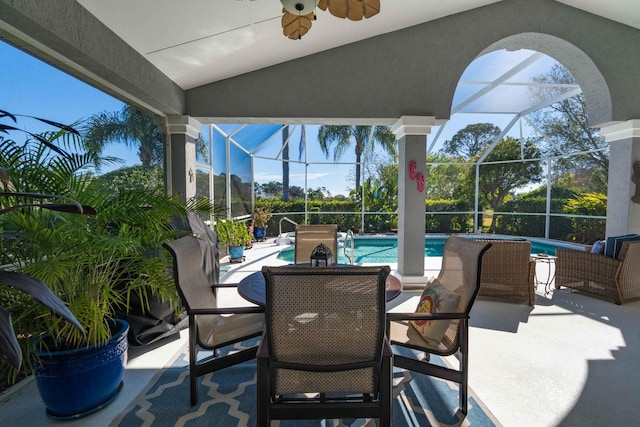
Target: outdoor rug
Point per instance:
(228, 398)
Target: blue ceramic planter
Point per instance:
(74, 383)
(236, 253)
(259, 233)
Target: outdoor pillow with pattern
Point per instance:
(435, 299)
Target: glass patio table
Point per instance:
(252, 287)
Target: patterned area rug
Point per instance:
(228, 398)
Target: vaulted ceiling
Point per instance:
(195, 42)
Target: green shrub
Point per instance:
(587, 230)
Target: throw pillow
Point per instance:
(611, 243)
(598, 247)
(435, 299)
(614, 244)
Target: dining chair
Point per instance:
(324, 354)
(307, 237)
(440, 324)
(210, 327)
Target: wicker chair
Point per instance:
(310, 236)
(324, 354)
(596, 274)
(462, 263)
(210, 327)
(508, 273)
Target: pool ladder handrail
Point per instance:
(351, 256)
(284, 218)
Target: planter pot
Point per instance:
(236, 253)
(259, 233)
(74, 383)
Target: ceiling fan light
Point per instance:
(299, 7)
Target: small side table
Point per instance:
(550, 261)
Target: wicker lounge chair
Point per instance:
(210, 327)
(460, 275)
(310, 236)
(600, 275)
(508, 273)
(324, 354)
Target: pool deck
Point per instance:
(572, 360)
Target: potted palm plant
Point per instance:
(92, 263)
(10, 351)
(233, 235)
(95, 273)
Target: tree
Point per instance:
(444, 176)
(285, 163)
(471, 141)
(498, 180)
(132, 177)
(296, 192)
(565, 126)
(364, 137)
(317, 194)
(129, 126)
(272, 188)
(286, 193)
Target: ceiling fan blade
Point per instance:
(296, 26)
(354, 10)
(370, 7)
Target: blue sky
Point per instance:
(32, 87)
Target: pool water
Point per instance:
(379, 250)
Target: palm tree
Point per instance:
(285, 163)
(285, 156)
(365, 140)
(129, 126)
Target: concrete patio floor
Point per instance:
(572, 360)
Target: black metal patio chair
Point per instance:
(324, 354)
(210, 327)
(436, 328)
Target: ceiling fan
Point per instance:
(299, 14)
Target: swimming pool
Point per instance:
(384, 249)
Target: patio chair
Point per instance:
(508, 273)
(324, 354)
(617, 279)
(152, 318)
(446, 329)
(210, 327)
(310, 236)
(193, 224)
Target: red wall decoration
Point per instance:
(416, 176)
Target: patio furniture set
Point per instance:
(328, 344)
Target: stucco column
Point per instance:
(411, 132)
(182, 132)
(623, 213)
